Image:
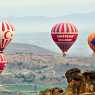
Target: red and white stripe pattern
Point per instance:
(3, 62)
(64, 35)
(6, 34)
(3, 58)
(64, 28)
(64, 32)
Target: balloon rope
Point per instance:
(64, 54)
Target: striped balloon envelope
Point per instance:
(6, 34)
(64, 35)
(91, 41)
(3, 62)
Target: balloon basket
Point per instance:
(64, 54)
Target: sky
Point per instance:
(50, 8)
(44, 7)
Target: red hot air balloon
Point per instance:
(3, 62)
(64, 35)
(6, 34)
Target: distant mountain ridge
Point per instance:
(26, 48)
(76, 16)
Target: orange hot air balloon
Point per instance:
(64, 35)
(91, 41)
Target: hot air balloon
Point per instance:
(6, 35)
(91, 41)
(3, 62)
(64, 35)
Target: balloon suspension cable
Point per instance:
(64, 54)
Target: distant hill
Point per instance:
(26, 53)
(32, 64)
(16, 48)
